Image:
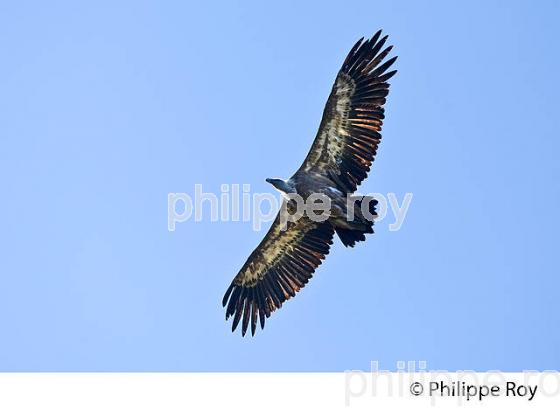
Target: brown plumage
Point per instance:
(338, 161)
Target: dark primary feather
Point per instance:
(347, 139)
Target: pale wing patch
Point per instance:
(331, 142)
(269, 252)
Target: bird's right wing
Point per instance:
(350, 130)
(278, 268)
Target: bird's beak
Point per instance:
(268, 180)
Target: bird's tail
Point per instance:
(358, 223)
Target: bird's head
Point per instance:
(280, 185)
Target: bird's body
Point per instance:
(305, 184)
(338, 161)
(308, 184)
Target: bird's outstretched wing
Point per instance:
(278, 268)
(349, 134)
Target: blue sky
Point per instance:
(106, 108)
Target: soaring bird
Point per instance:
(338, 161)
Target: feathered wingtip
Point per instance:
(365, 56)
(247, 303)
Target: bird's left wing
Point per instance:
(278, 268)
(349, 134)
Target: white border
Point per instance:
(101, 391)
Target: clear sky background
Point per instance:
(107, 107)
